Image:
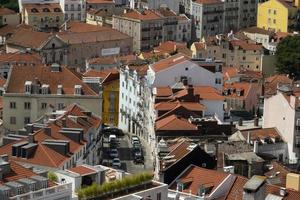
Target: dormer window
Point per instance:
(45, 89)
(77, 89)
(34, 10)
(28, 87)
(59, 89)
(46, 10)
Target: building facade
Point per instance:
(26, 101)
(73, 10)
(43, 17)
(8, 17)
(278, 16)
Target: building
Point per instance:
(152, 4)
(73, 10)
(19, 182)
(41, 87)
(59, 140)
(75, 44)
(242, 96)
(109, 80)
(43, 17)
(207, 17)
(5, 32)
(131, 98)
(21, 2)
(150, 27)
(278, 15)
(9, 59)
(235, 52)
(146, 28)
(281, 110)
(9, 17)
(98, 17)
(174, 156)
(268, 141)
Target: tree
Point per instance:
(288, 56)
(52, 176)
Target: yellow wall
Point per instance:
(111, 116)
(273, 15)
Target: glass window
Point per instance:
(27, 105)
(13, 105)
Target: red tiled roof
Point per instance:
(20, 58)
(112, 76)
(283, 171)
(145, 15)
(229, 72)
(205, 93)
(170, 46)
(80, 27)
(174, 122)
(6, 11)
(163, 91)
(245, 45)
(197, 177)
(82, 170)
(43, 74)
(193, 106)
(261, 133)
(242, 86)
(272, 82)
(168, 62)
(28, 38)
(38, 8)
(46, 156)
(7, 30)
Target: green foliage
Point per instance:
(52, 176)
(116, 185)
(288, 56)
(11, 4)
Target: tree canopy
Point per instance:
(288, 56)
(12, 4)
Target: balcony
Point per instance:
(145, 29)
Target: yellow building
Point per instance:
(277, 15)
(109, 79)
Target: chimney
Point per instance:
(47, 131)
(293, 181)
(255, 188)
(248, 137)
(29, 128)
(31, 138)
(190, 90)
(255, 147)
(64, 122)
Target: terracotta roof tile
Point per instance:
(6, 11)
(169, 62)
(36, 8)
(261, 133)
(163, 91)
(244, 87)
(7, 30)
(80, 27)
(283, 171)
(258, 30)
(82, 170)
(20, 58)
(272, 82)
(43, 74)
(193, 106)
(174, 122)
(197, 177)
(145, 15)
(245, 45)
(166, 12)
(205, 92)
(28, 38)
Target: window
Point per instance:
(13, 120)
(274, 12)
(12, 105)
(79, 16)
(44, 105)
(269, 11)
(60, 106)
(158, 196)
(79, 7)
(26, 120)
(274, 21)
(27, 105)
(72, 7)
(66, 7)
(218, 81)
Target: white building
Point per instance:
(282, 111)
(74, 9)
(171, 70)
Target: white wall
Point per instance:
(279, 113)
(213, 107)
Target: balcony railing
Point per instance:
(45, 193)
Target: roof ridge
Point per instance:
(50, 158)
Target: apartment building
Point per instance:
(278, 16)
(58, 140)
(9, 59)
(109, 80)
(132, 98)
(281, 110)
(22, 2)
(43, 17)
(73, 10)
(42, 87)
(8, 17)
(234, 51)
(208, 17)
(19, 182)
(146, 28)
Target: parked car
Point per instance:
(138, 156)
(112, 130)
(135, 140)
(113, 153)
(116, 163)
(112, 138)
